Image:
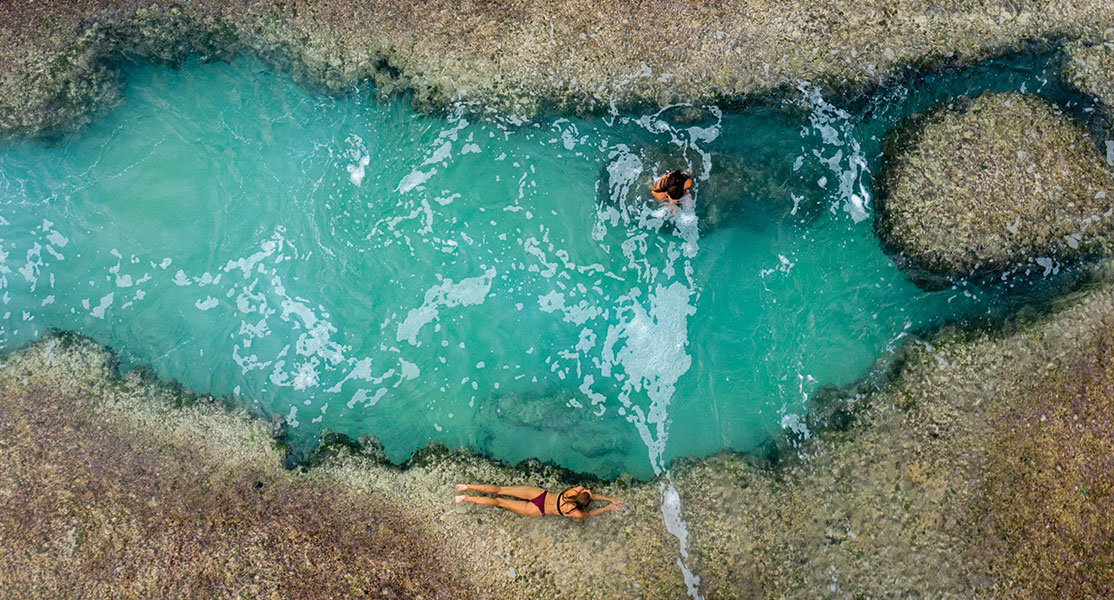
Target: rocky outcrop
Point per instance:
(1000, 182)
(118, 487)
(115, 486)
(57, 56)
(1090, 67)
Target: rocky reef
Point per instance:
(112, 484)
(998, 182)
(981, 469)
(977, 473)
(58, 56)
(1090, 67)
(115, 487)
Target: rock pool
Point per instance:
(488, 281)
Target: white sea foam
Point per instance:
(106, 301)
(414, 179)
(306, 375)
(358, 170)
(30, 269)
(469, 292)
(181, 279)
(675, 524)
(850, 167)
(361, 370)
(366, 397)
(408, 370)
(653, 356)
(245, 265)
(624, 169)
(57, 239)
(360, 158)
(441, 154)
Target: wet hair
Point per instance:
(581, 500)
(674, 184)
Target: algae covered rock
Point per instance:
(991, 184)
(1090, 67)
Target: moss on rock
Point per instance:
(108, 489)
(1090, 67)
(56, 55)
(993, 183)
(1047, 507)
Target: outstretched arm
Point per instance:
(599, 511)
(604, 498)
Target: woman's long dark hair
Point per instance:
(674, 184)
(581, 500)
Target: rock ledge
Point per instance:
(993, 184)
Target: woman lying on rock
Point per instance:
(535, 502)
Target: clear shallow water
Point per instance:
(502, 284)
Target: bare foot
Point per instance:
(459, 499)
(460, 487)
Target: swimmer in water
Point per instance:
(672, 187)
(530, 501)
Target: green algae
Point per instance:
(518, 56)
(987, 185)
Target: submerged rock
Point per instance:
(992, 184)
(545, 417)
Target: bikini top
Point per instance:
(560, 497)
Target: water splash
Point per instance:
(847, 162)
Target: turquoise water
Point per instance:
(498, 283)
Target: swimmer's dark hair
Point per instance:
(581, 500)
(674, 184)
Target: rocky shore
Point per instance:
(57, 57)
(120, 487)
(981, 470)
(1004, 181)
(1090, 67)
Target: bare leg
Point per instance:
(519, 507)
(477, 487)
(524, 492)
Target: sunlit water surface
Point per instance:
(502, 284)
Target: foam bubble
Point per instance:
(836, 130)
(99, 309)
(469, 292)
(414, 179)
(675, 525)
